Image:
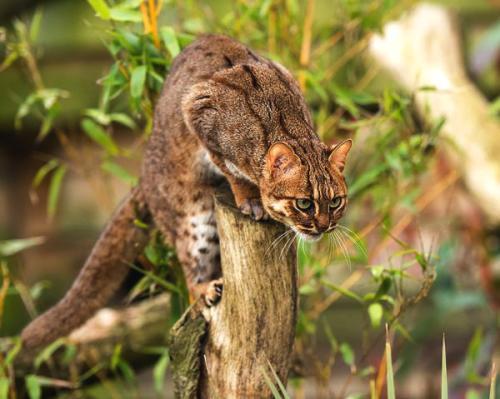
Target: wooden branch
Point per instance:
(252, 329)
(422, 51)
(135, 328)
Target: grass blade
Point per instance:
(493, 381)
(444, 373)
(391, 392)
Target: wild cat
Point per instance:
(225, 114)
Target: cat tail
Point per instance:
(102, 274)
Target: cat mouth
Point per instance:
(310, 236)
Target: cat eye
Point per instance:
(303, 204)
(335, 203)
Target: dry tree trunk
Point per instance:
(422, 51)
(251, 331)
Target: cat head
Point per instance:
(308, 195)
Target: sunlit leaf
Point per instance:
(170, 39)
(33, 387)
(101, 8)
(137, 80)
(391, 392)
(4, 388)
(444, 373)
(12, 247)
(97, 133)
(376, 312)
(125, 15)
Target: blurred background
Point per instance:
(419, 252)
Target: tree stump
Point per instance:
(251, 331)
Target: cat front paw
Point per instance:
(253, 207)
(213, 292)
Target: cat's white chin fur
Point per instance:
(308, 237)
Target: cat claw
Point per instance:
(213, 294)
(253, 208)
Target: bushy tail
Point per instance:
(104, 271)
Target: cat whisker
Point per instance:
(354, 237)
(288, 244)
(277, 240)
(344, 249)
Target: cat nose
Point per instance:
(322, 223)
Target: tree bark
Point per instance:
(251, 331)
(422, 51)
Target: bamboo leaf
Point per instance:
(344, 291)
(170, 39)
(97, 133)
(444, 374)
(4, 387)
(124, 15)
(33, 387)
(116, 170)
(12, 247)
(55, 189)
(137, 81)
(376, 312)
(391, 392)
(101, 8)
(159, 371)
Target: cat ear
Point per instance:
(281, 158)
(339, 153)
(199, 110)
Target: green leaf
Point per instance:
(101, 8)
(444, 374)
(55, 189)
(306, 289)
(35, 24)
(125, 15)
(347, 353)
(376, 312)
(137, 81)
(33, 387)
(123, 119)
(159, 371)
(4, 387)
(48, 121)
(118, 171)
(11, 247)
(343, 291)
(170, 39)
(11, 355)
(47, 352)
(97, 133)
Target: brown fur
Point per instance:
(225, 114)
